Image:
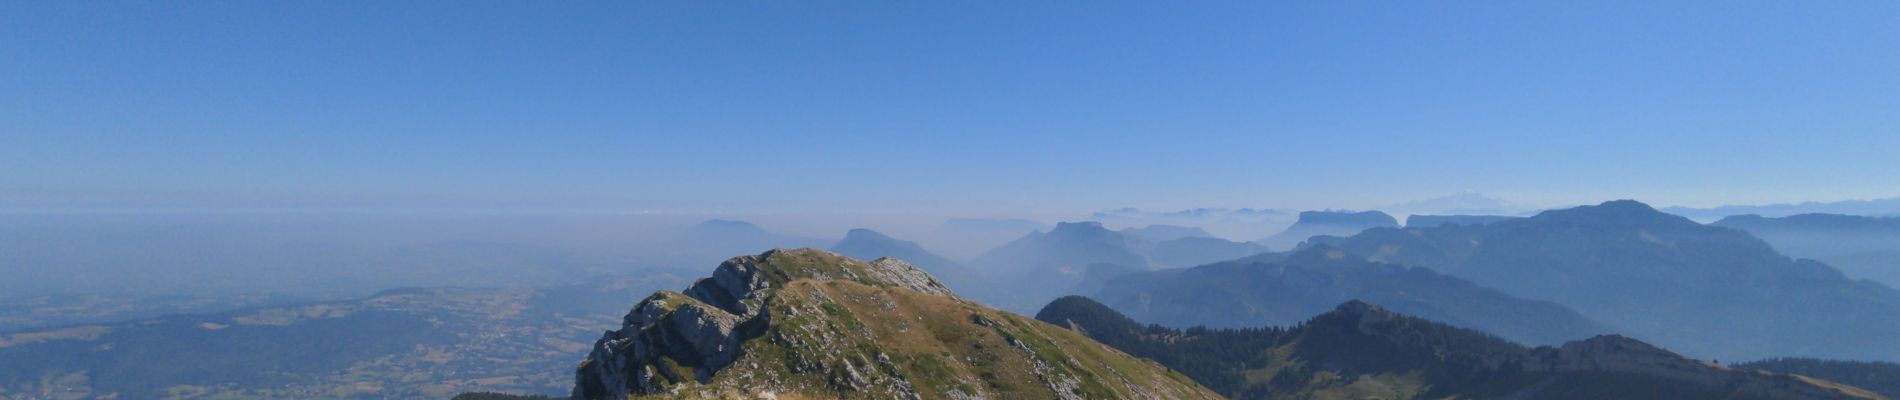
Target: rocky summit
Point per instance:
(792, 324)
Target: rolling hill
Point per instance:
(1360, 351)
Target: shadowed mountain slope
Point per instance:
(1880, 377)
(1862, 247)
(1360, 351)
(1286, 291)
(1704, 290)
(1044, 265)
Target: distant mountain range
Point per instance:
(1235, 317)
(1020, 274)
(1162, 233)
(1708, 291)
(1044, 265)
(1062, 250)
(714, 240)
(1192, 251)
(1327, 223)
(867, 244)
(1875, 207)
(1862, 247)
(810, 324)
(1231, 223)
(1250, 293)
(1017, 225)
(964, 238)
(1426, 221)
(1467, 202)
(1361, 351)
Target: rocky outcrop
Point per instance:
(814, 324)
(903, 275)
(688, 331)
(673, 337)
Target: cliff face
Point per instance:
(813, 324)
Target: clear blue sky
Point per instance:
(965, 106)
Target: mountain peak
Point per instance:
(1615, 213)
(1356, 307)
(1628, 205)
(806, 323)
(1077, 226)
(866, 234)
(1365, 318)
(1623, 207)
(1079, 307)
(1613, 343)
(1089, 231)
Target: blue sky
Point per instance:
(943, 106)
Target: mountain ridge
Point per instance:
(1323, 223)
(806, 323)
(1703, 290)
(1860, 246)
(1288, 288)
(1359, 350)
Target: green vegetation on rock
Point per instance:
(1362, 351)
(812, 324)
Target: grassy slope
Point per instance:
(825, 332)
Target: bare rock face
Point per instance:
(698, 332)
(667, 324)
(904, 275)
